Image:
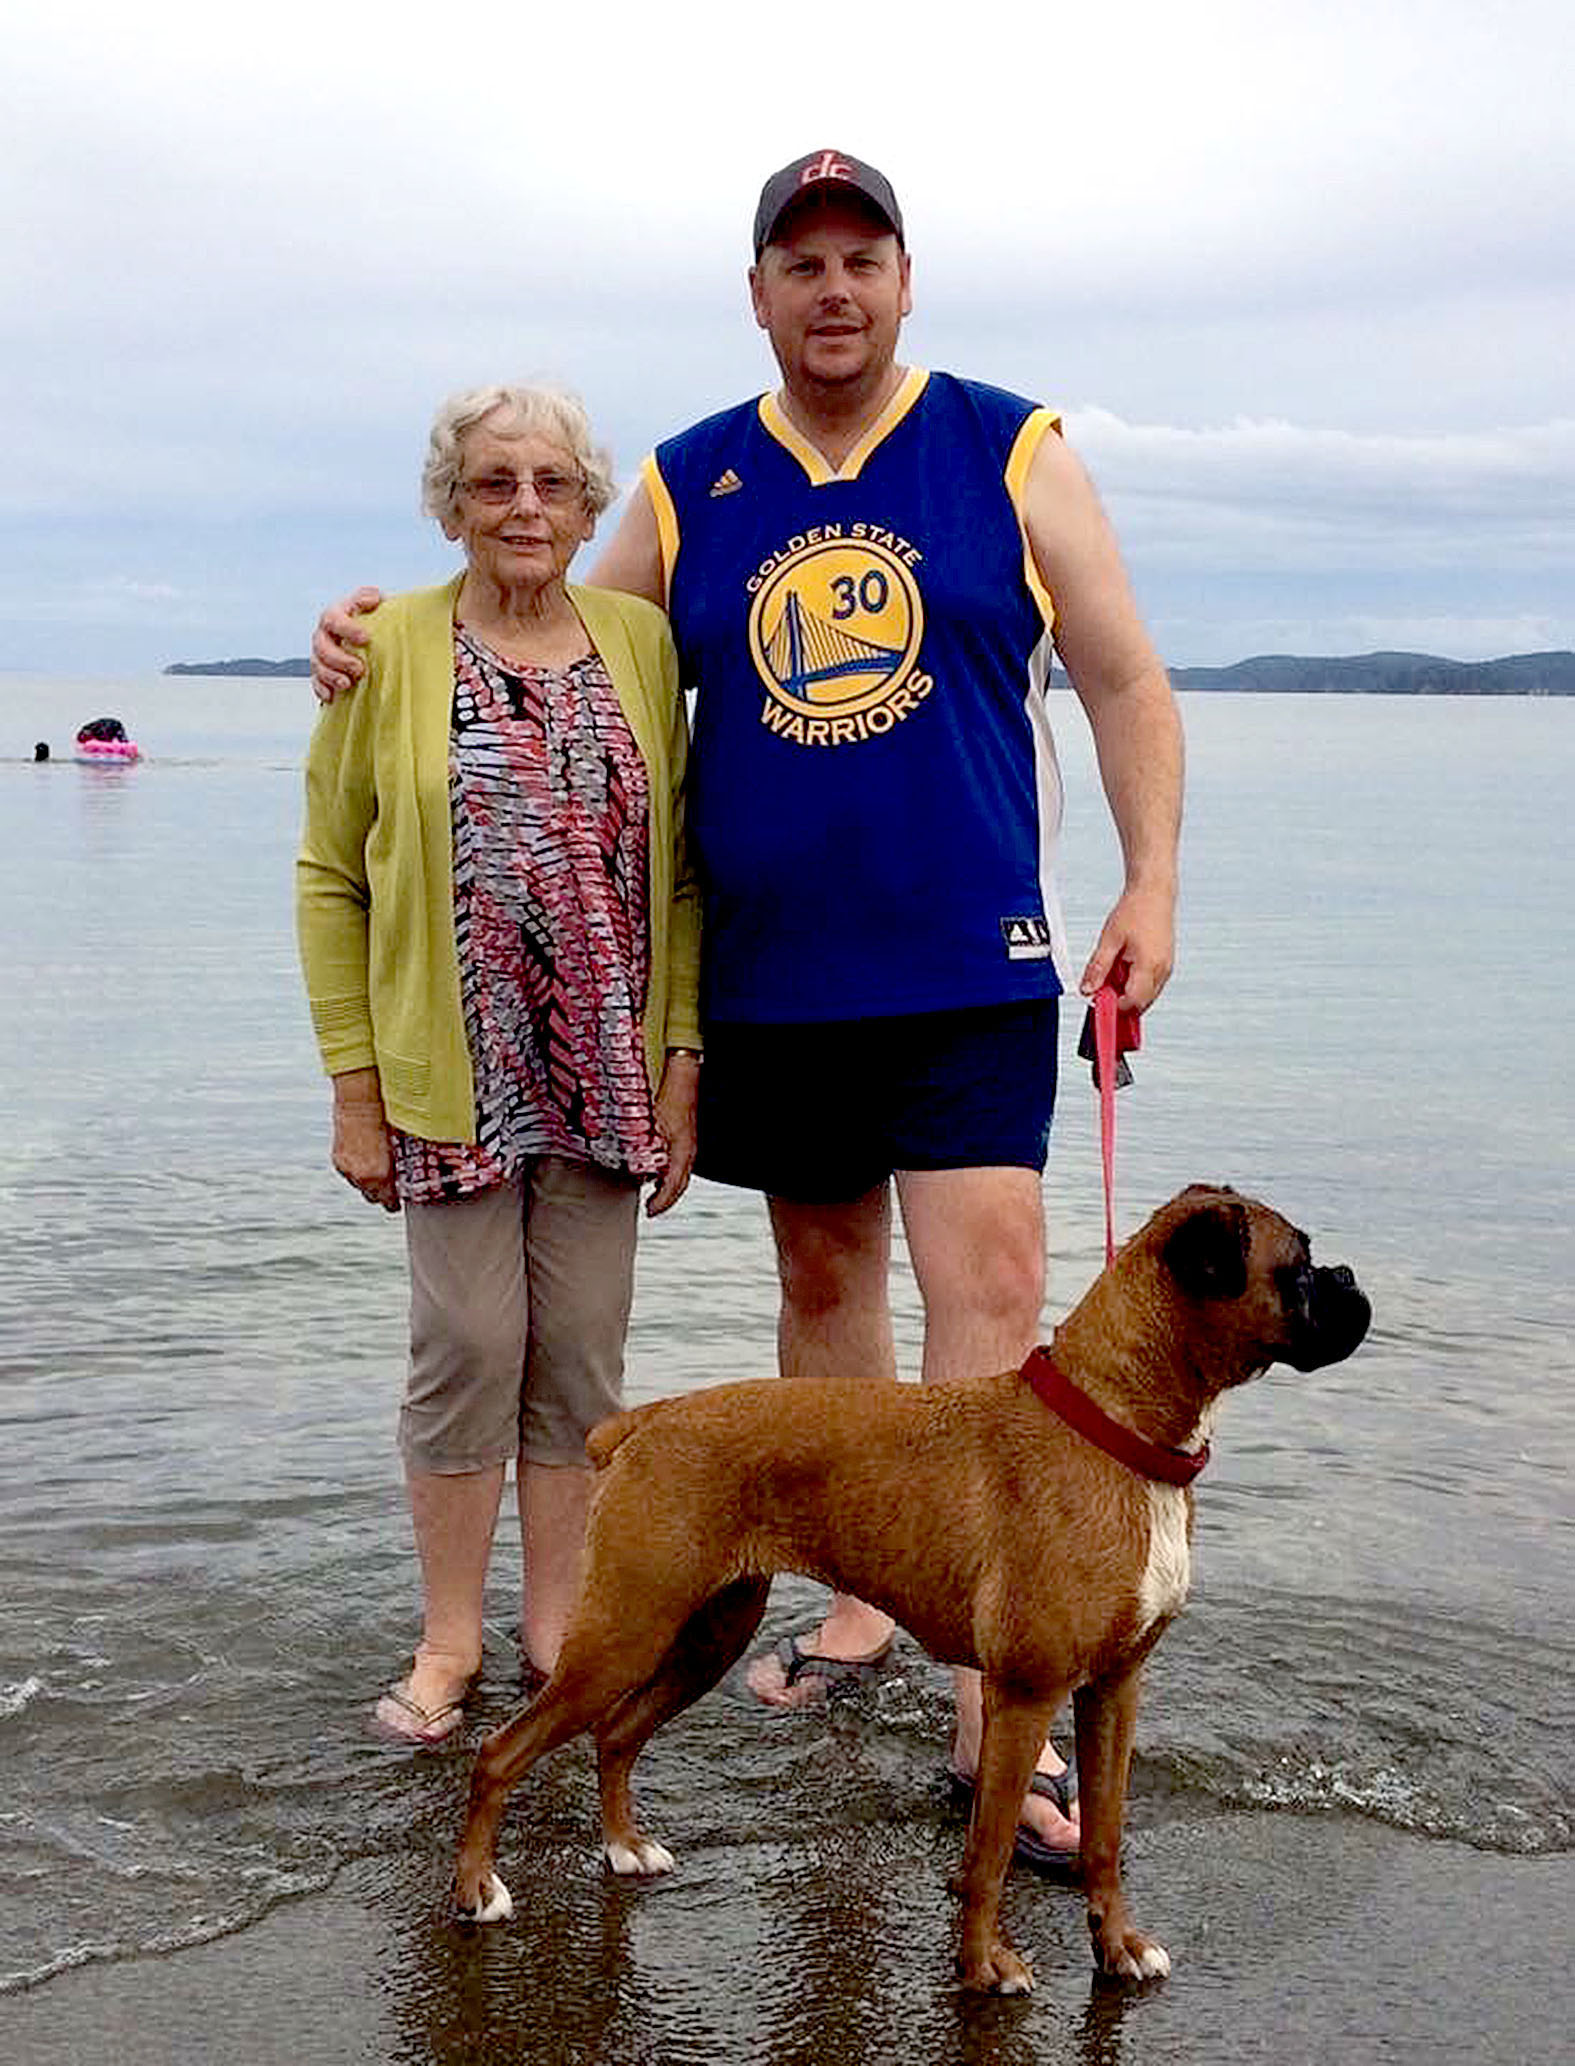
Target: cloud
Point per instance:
(1259, 494)
(1267, 536)
(109, 599)
(120, 591)
(1285, 266)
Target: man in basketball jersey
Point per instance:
(867, 573)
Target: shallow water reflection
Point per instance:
(208, 1562)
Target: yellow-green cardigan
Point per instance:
(374, 877)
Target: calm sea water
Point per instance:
(207, 1567)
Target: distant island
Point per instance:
(1367, 674)
(251, 667)
(1389, 674)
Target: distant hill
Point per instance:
(1367, 674)
(253, 667)
(1390, 674)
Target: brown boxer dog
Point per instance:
(1034, 1524)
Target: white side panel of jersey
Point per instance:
(1049, 792)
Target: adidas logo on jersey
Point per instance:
(726, 484)
(1027, 939)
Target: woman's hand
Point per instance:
(363, 1153)
(676, 1100)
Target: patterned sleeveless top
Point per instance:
(549, 800)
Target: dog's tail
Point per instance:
(612, 1433)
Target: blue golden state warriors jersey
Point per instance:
(874, 799)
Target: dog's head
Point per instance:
(1220, 1246)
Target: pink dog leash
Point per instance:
(1115, 1034)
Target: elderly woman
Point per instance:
(501, 941)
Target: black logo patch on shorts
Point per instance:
(1027, 939)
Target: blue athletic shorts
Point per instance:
(820, 1113)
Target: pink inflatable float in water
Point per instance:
(104, 739)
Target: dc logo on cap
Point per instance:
(827, 166)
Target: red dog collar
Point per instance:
(1077, 1409)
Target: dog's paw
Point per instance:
(493, 1903)
(642, 1859)
(1138, 1958)
(999, 1971)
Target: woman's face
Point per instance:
(519, 509)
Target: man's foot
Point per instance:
(798, 1673)
(1049, 1829)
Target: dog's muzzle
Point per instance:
(1330, 1314)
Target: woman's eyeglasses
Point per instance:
(552, 490)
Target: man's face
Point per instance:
(831, 293)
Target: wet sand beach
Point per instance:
(1297, 1939)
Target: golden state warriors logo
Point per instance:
(834, 631)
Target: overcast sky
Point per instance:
(1298, 273)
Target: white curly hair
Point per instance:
(542, 411)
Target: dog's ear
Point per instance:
(1206, 1252)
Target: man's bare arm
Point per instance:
(1122, 684)
(337, 664)
(632, 558)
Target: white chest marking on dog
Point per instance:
(1204, 1431)
(1167, 1573)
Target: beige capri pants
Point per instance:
(519, 1305)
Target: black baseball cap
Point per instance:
(822, 169)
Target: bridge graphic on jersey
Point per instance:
(806, 650)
